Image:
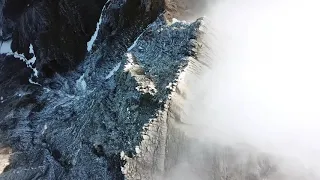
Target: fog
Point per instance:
(263, 88)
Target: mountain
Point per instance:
(82, 80)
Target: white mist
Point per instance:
(264, 88)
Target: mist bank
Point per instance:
(263, 87)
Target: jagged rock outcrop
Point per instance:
(157, 153)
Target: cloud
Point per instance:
(263, 89)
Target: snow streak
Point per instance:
(115, 69)
(29, 62)
(95, 34)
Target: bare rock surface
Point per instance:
(120, 109)
(75, 124)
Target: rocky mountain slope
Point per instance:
(78, 114)
(108, 89)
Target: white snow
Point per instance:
(35, 72)
(32, 60)
(130, 58)
(95, 34)
(122, 155)
(135, 42)
(81, 83)
(138, 151)
(33, 82)
(45, 127)
(115, 69)
(5, 47)
(19, 56)
(174, 20)
(31, 49)
(29, 62)
(129, 63)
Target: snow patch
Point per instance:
(135, 42)
(29, 62)
(138, 151)
(31, 51)
(5, 47)
(33, 82)
(129, 63)
(115, 69)
(32, 61)
(122, 155)
(45, 127)
(174, 20)
(35, 72)
(81, 83)
(95, 34)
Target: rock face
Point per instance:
(187, 9)
(59, 30)
(177, 53)
(117, 111)
(86, 107)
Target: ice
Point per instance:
(81, 83)
(5, 47)
(33, 82)
(115, 69)
(31, 49)
(135, 42)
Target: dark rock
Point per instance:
(87, 108)
(58, 30)
(74, 124)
